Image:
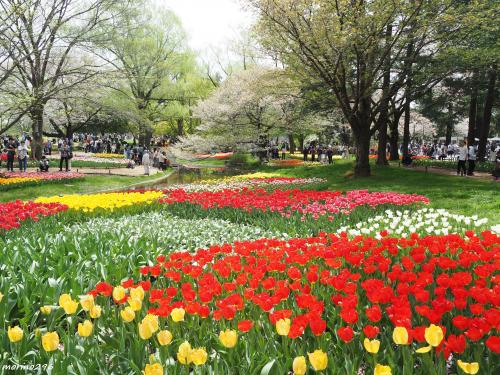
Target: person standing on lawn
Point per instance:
(64, 156)
(11, 153)
(22, 156)
(462, 157)
(283, 151)
(472, 159)
(305, 151)
(145, 161)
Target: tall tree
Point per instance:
(152, 63)
(44, 35)
(341, 44)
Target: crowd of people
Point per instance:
(18, 149)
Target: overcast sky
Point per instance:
(210, 22)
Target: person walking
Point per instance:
(305, 151)
(64, 156)
(146, 161)
(462, 157)
(313, 153)
(471, 159)
(11, 153)
(329, 153)
(22, 156)
(283, 151)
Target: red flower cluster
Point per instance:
(306, 202)
(350, 287)
(13, 213)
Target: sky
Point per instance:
(210, 23)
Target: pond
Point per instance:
(183, 176)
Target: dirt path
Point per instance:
(450, 172)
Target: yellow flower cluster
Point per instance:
(109, 156)
(107, 201)
(250, 176)
(17, 180)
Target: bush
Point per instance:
(242, 161)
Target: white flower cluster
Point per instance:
(160, 230)
(240, 184)
(426, 221)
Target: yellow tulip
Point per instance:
(371, 346)
(1, 296)
(46, 310)
(95, 311)
(283, 327)
(177, 314)
(70, 306)
(184, 353)
(153, 320)
(382, 370)
(318, 359)
(15, 334)
(468, 368)
(87, 302)
(50, 341)
(63, 298)
(137, 293)
(134, 303)
(118, 293)
(228, 338)
(127, 314)
(146, 330)
(299, 365)
(164, 337)
(425, 349)
(400, 336)
(85, 328)
(153, 369)
(433, 335)
(198, 356)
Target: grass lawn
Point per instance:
(458, 194)
(89, 184)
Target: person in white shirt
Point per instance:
(22, 156)
(471, 159)
(462, 157)
(145, 162)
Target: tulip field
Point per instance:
(253, 274)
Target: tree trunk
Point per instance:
(301, 142)
(36, 115)
(293, 146)
(362, 167)
(449, 124)
(180, 127)
(488, 107)
(394, 138)
(384, 111)
(471, 134)
(148, 135)
(69, 132)
(406, 129)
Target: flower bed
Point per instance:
(109, 156)
(305, 202)
(15, 179)
(12, 214)
(106, 201)
(424, 221)
(404, 304)
(262, 180)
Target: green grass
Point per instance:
(89, 184)
(467, 196)
(203, 162)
